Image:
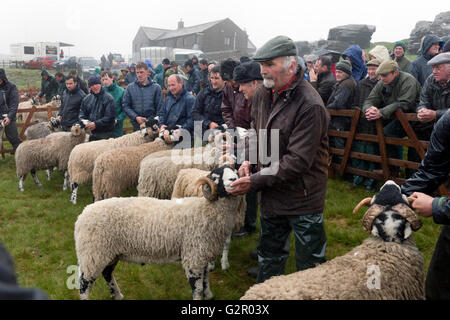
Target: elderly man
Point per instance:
(142, 97)
(419, 67)
(99, 109)
(9, 102)
(321, 77)
(177, 108)
(292, 186)
(396, 90)
(433, 171)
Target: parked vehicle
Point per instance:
(86, 67)
(46, 62)
(157, 54)
(67, 63)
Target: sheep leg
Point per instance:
(111, 282)
(211, 266)
(35, 178)
(207, 294)
(21, 181)
(85, 287)
(48, 173)
(226, 249)
(66, 180)
(73, 196)
(196, 282)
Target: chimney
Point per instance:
(180, 24)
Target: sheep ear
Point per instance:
(408, 231)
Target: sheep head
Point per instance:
(53, 123)
(389, 215)
(150, 128)
(76, 130)
(215, 185)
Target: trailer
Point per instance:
(26, 51)
(179, 55)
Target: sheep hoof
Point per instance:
(225, 266)
(117, 296)
(21, 189)
(39, 185)
(73, 201)
(64, 187)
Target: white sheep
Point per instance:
(82, 158)
(117, 170)
(185, 187)
(52, 151)
(147, 230)
(40, 116)
(386, 265)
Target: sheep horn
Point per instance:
(151, 133)
(211, 195)
(218, 140)
(167, 137)
(409, 214)
(364, 202)
(370, 215)
(76, 130)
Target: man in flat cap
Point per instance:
(396, 90)
(293, 185)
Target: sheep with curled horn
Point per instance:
(191, 231)
(386, 266)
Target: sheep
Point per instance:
(185, 187)
(386, 265)
(118, 169)
(51, 151)
(157, 173)
(190, 231)
(82, 158)
(40, 116)
(41, 130)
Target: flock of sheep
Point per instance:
(183, 213)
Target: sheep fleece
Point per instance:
(148, 230)
(346, 277)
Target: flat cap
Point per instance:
(439, 59)
(247, 72)
(280, 46)
(386, 67)
(373, 62)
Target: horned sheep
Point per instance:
(191, 231)
(52, 151)
(386, 265)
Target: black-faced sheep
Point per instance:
(386, 265)
(147, 230)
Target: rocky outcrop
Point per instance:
(440, 27)
(340, 38)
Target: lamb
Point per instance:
(191, 231)
(185, 187)
(118, 169)
(82, 158)
(51, 151)
(386, 265)
(157, 173)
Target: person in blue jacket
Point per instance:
(354, 55)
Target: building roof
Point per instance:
(161, 34)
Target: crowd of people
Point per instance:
(272, 91)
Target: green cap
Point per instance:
(280, 46)
(386, 67)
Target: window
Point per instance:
(227, 41)
(28, 50)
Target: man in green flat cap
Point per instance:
(290, 112)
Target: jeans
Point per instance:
(273, 247)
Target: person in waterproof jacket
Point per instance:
(433, 171)
(81, 83)
(117, 93)
(364, 126)
(321, 77)
(100, 109)
(49, 86)
(354, 55)
(141, 98)
(341, 98)
(70, 104)
(177, 108)
(193, 83)
(9, 102)
(61, 79)
(293, 183)
(131, 75)
(419, 67)
(398, 55)
(207, 107)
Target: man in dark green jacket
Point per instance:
(49, 86)
(396, 90)
(117, 93)
(61, 80)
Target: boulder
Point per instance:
(340, 38)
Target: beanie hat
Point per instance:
(93, 80)
(227, 68)
(344, 66)
(247, 72)
(401, 44)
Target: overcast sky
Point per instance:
(96, 27)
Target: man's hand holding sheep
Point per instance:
(243, 184)
(422, 204)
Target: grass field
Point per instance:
(36, 226)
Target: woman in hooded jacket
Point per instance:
(354, 55)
